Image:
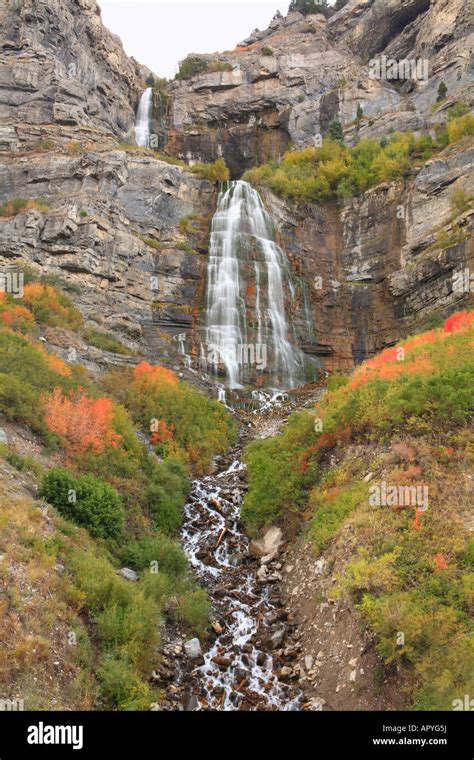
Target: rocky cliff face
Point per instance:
(131, 231)
(374, 267)
(288, 82)
(63, 75)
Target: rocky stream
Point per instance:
(248, 662)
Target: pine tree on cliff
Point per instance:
(442, 92)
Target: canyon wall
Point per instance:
(129, 232)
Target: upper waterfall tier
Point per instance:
(247, 327)
(142, 122)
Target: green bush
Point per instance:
(278, 477)
(194, 609)
(17, 205)
(166, 553)
(166, 495)
(20, 463)
(336, 380)
(460, 108)
(127, 620)
(460, 201)
(330, 514)
(309, 6)
(267, 51)
(87, 501)
(220, 66)
(106, 342)
(20, 402)
(216, 172)
(191, 66)
(121, 686)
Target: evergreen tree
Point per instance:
(442, 92)
(335, 131)
(360, 112)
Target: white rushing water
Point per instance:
(142, 121)
(216, 548)
(243, 245)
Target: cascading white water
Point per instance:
(242, 232)
(216, 548)
(142, 121)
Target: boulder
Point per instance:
(192, 648)
(268, 545)
(128, 574)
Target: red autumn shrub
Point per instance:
(459, 321)
(83, 423)
(163, 433)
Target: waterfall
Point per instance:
(247, 328)
(142, 121)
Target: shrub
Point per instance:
(460, 201)
(19, 205)
(194, 609)
(20, 463)
(330, 510)
(309, 6)
(166, 495)
(87, 501)
(335, 131)
(158, 549)
(106, 342)
(277, 472)
(460, 127)
(335, 171)
(220, 66)
(201, 426)
(267, 51)
(336, 381)
(51, 307)
(82, 423)
(216, 172)
(121, 686)
(191, 66)
(460, 108)
(25, 374)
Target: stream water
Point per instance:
(238, 672)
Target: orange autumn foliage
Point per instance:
(423, 339)
(57, 364)
(387, 371)
(439, 563)
(50, 306)
(149, 373)
(15, 317)
(83, 423)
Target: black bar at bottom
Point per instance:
(220, 735)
